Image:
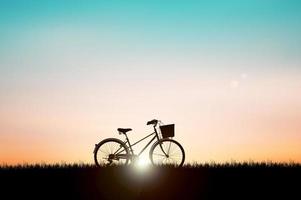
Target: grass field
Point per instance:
(207, 181)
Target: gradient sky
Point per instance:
(227, 73)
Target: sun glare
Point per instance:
(142, 163)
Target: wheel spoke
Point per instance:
(107, 148)
(158, 154)
(172, 149)
(110, 146)
(102, 151)
(168, 148)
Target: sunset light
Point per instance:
(143, 163)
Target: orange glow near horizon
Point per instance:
(255, 121)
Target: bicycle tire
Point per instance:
(163, 147)
(110, 145)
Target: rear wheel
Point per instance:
(111, 151)
(167, 152)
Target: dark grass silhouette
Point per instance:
(207, 181)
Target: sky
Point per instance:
(227, 73)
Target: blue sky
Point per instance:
(229, 30)
(249, 29)
(163, 23)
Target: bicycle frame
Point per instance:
(129, 145)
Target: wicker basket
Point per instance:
(167, 130)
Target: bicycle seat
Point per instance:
(124, 130)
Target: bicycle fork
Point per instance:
(166, 154)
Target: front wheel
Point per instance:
(167, 152)
(111, 151)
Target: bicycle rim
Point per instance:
(168, 152)
(111, 152)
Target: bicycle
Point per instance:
(164, 151)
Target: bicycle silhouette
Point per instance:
(164, 151)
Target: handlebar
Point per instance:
(154, 122)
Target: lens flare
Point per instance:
(142, 163)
